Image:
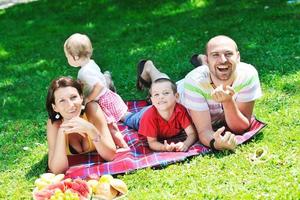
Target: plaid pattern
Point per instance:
(113, 106)
(140, 156)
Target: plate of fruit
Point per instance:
(107, 188)
(53, 187)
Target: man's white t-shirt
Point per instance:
(195, 89)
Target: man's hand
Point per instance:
(221, 94)
(228, 141)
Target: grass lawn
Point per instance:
(168, 32)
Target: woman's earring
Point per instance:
(82, 107)
(57, 116)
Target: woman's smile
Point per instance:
(67, 102)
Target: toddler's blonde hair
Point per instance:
(78, 45)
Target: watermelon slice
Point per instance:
(77, 186)
(42, 194)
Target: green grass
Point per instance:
(122, 32)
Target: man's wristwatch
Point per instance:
(212, 145)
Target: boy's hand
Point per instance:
(169, 147)
(221, 94)
(181, 146)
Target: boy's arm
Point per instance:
(157, 146)
(191, 136)
(98, 87)
(189, 141)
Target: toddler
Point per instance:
(78, 50)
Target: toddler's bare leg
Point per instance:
(117, 136)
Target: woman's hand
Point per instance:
(77, 125)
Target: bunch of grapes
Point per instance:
(67, 195)
(48, 179)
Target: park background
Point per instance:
(168, 32)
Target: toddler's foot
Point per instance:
(119, 140)
(198, 60)
(123, 149)
(122, 144)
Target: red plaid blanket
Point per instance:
(140, 156)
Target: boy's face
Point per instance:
(162, 96)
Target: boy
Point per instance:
(164, 119)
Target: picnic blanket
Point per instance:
(140, 156)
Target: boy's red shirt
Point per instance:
(153, 125)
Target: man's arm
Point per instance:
(202, 121)
(238, 115)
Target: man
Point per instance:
(221, 93)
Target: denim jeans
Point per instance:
(132, 120)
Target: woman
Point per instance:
(71, 132)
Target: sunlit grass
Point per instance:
(3, 53)
(168, 32)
